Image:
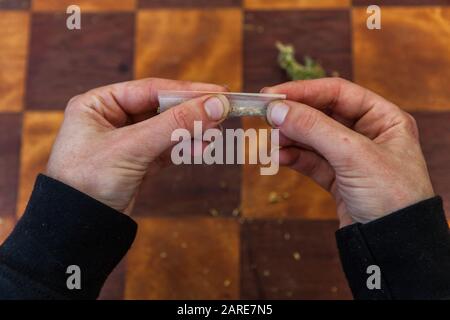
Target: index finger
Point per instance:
(136, 100)
(343, 98)
(142, 95)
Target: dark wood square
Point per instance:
(187, 3)
(434, 131)
(10, 137)
(322, 34)
(400, 2)
(205, 190)
(282, 250)
(15, 4)
(292, 4)
(85, 5)
(291, 259)
(114, 287)
(64, 62)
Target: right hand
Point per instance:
(360, 147)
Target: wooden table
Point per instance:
(270, 250)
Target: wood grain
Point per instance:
(291, 260)
(10, 135)
(434, 131)
(114, 287)
(15, 4)
(188, 3)
(283, 249)
(286, 194)
(7, 224)
(85, 5)
(400, 2)
(192, 190)
(408, 61)
(64, 63)
(13, 52)
(321, 34)
(39, 132)
(197, 45)
(184, 259)
(292, 4)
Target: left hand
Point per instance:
(111, 136)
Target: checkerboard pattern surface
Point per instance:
(192, 241)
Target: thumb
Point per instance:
(311, 127)
(155, 133)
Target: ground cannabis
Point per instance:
(241, 104)
(295, 70)
(214, 212)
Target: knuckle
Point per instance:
(94, 93)
(339, 82)
(152, 83)
(307, 122)
(96, 98)
(180, 117)
(74, 99)
(222, 88)
(409, 123)
(72, 105)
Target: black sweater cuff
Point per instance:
(411, 247)
(61, 227)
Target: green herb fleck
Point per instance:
(295, 70)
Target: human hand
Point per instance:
(111, 136)
(352, 142)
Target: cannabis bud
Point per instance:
(296, 71)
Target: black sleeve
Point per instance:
(411, 247)
(62, 227)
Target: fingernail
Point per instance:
(216, 107)
(277, 112)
